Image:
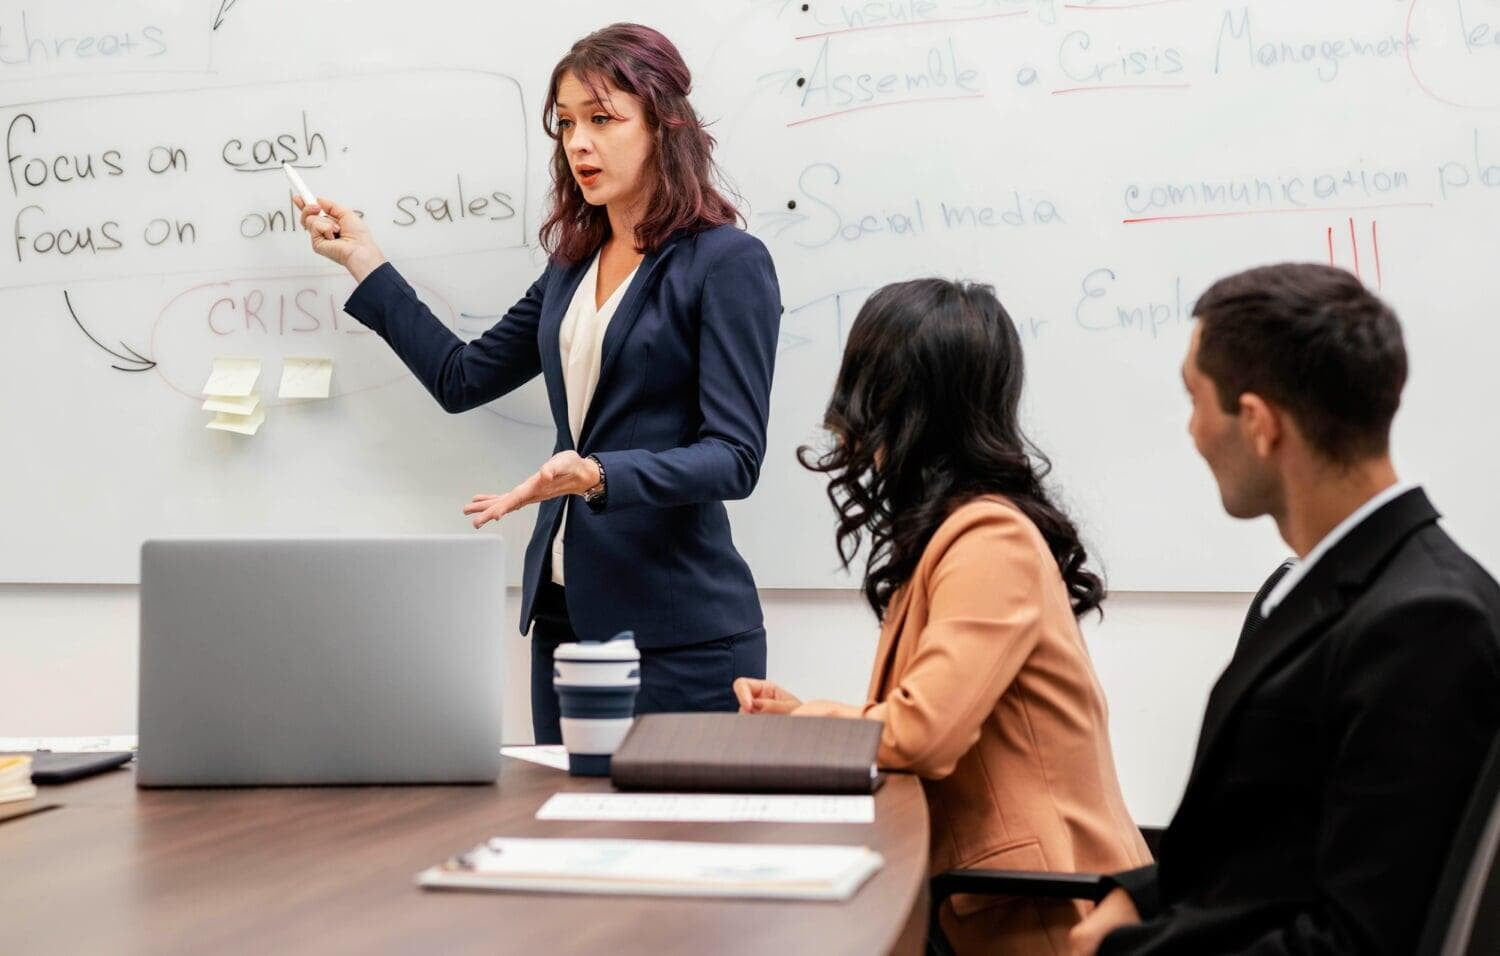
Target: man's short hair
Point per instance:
(1314, 341)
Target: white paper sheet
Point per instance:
(304, 377)
(239, 424)
(709, 807)
(231, 404)
(69, 745)
(660, 867)
(548, 755)
(232, 375)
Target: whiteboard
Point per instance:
(1099, 163)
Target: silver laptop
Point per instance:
(321, 660)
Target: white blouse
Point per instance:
(581, 343)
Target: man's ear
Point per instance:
(1261, 423)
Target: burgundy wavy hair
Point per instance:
(684, 191)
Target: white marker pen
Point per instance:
(306, 194)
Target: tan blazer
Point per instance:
(987, 692)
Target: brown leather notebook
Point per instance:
(747, 753)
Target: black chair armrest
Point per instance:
(1058, 886)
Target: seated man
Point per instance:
(1342, 741)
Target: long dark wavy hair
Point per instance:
(684, 181)
(924, 417)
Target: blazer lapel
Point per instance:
(548, 337)
(624, 319)
(1254, 650)
(1317, 600)
(1304, 614)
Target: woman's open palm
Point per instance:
(565, 473)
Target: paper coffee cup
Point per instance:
(596, 683)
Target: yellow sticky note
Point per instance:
(239, 424)
(234, 406)
(233, 376)
(305, 377)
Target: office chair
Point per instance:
(1464, 917)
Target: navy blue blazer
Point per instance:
(678, 421)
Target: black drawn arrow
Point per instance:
(134, 358)
(224, 6)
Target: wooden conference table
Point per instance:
(279, 870)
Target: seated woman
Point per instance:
(981, 676)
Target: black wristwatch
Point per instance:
(594, 497)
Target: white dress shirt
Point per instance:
(1341, 530)
(581, 343)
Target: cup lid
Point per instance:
(621, 647)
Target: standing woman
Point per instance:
(654, 326)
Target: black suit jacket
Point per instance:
(1337, 753)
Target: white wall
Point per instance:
(68, 668)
